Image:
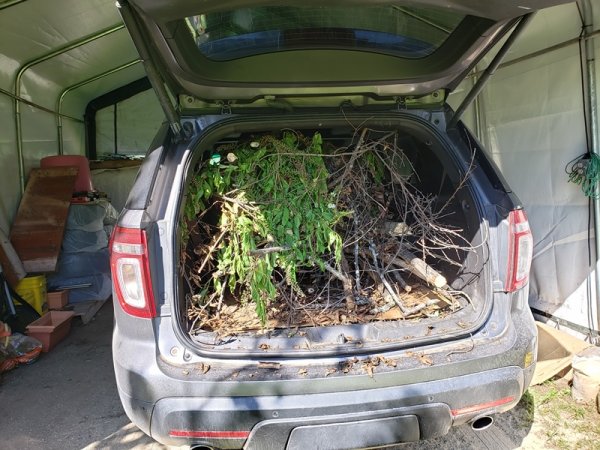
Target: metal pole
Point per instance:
(490, 70)
(59, 102)
(591, 103)
(477, 108)
(542, 52)
(40, 107)
(59, 51)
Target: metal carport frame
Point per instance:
(59, 51)
(591, 103)
(62, 95)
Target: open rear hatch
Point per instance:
(240, 53)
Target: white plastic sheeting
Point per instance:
(138, 120)
(533, 132)
(532, 122)
(116, 183)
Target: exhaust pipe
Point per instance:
(482, 423)
(201, 447)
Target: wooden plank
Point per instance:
(39, 226)
(12, 267)
(115, 164)
(87, 310)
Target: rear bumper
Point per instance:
(341, 420)
(235, 405)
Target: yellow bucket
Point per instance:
(33, 291)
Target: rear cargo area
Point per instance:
(305, 239)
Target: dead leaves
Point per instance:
(393, 313)
(425, 360)
(203, 367)
(239, 318)
(347, 366)
(369, 365)
(421, 357)
(388, 361)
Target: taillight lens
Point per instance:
(520, 251)
(131, 272)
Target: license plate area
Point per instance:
(359, 434)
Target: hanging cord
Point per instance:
(585, 171)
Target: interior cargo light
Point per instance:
(131, 272)
(520, 250)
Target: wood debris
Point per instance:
(269, 365)
(330, 371)
(350, 239)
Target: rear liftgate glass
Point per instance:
(396, 30)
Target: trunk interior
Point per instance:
(411, 265)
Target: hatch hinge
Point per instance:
(347, 105)
(225, 106)
(400, 103)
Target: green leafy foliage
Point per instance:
(271, 193)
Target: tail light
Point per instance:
(520, 251)
(131, 272)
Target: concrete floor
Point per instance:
(68, 400)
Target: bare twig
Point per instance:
(267, 250)
(405, 312)
(401, 281)
(353, 158)
(211, 249)
(221, 295)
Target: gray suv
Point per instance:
(238, 71)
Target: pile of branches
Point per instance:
(285, 225)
